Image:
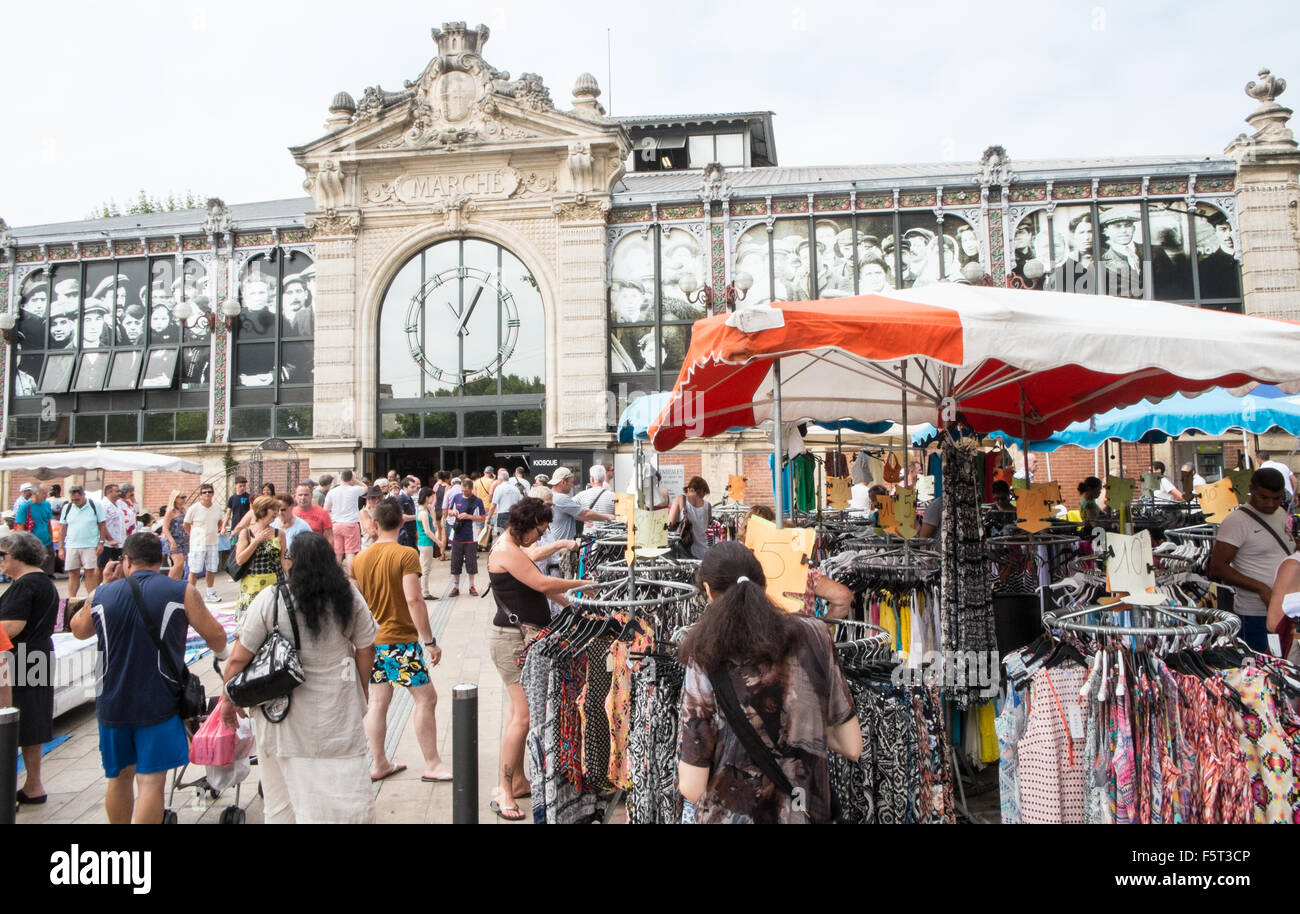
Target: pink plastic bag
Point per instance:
(217, 745)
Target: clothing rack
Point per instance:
(1222, 624)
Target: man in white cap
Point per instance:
(63, 323)
(24, 496)
(568, 513)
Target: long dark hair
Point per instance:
(317, 583)
(742, 624)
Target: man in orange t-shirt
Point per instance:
(388, 576)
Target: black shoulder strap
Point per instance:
(759, 753)
(1263, 523)
(293, 619)
(153, 632)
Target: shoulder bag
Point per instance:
(275, 669)
(193, 700)
(758, 751)
(234, 568)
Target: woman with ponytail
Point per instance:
(763, 702)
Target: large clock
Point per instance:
(465, 301)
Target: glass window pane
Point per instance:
(752, 258)
(28, 374)
(296, 363)
(700, 150)
(196, 288)
(524, 370)
(23, 430)
(1216, 252)
(159, 426)
(521, 423)
(248, 424)
(961, 246)
(192, 425)
(258, 293)
(160, 368)
(194, 367)
(293, 422)
(255, 365)
(626, 349)
(399, 373)
(442, 302)
(676, 340)
(132, 296)
(92, 372)
(875, 268)
(1121, 250)
(790, 260)
(1074, 232)
(632, 276)
(440, 425)
(481, 424)
(163, 328)
(480, 324)
(97, 317)
(57, 376)
(298, 296)
(124, 428)
(731, 149)
(125, 371)
(1171, 260)
(33, 311)
(400, 425)
(87, 430)
(682, 261)
(834, 258)
(65, 307)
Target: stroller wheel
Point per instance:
(169, 817)
(232, 815)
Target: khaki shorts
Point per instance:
(506, 647)
(75, 559)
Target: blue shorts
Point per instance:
(161, 747)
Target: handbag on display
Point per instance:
(274, 671)
(893, 469)
(193, 699)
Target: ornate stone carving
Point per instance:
(6, 236)
(217, 220)
(457, 210)
(581, 209)
(1272, 137)
(326, 186)
(1267, 89)
(995, 167)
(714, 185)
(579, 169)
(410, 189)
(333, 224)
(532, 183)
(531, 92)
(375, 99)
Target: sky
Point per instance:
(172, 96)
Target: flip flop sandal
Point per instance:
(502, 812)
(396, 769)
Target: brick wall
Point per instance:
(1071, 465)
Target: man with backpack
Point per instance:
(85, 533)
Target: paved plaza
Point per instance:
(74, 776)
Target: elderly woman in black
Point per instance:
(521, 593)
(28, 611)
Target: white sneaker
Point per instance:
(212, 597)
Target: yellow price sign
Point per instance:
(838, 491)
(885, 516)
(625, 507)
(784, 556)
(1217, 499)
(1034, 511)
(905, 513)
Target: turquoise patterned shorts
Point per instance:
(400, 664)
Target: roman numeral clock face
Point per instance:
(461, 304)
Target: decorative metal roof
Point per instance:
(796, 179)
(673, 120)
(246, 216)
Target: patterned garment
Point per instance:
(1124, 809)
(1010, 726)
(596, 741)
(264, 570)
(565, 804)
(790, 705)
(967, 607)
(400, 664)
(851, 781)
(1051, 761)
(618, 704)
(568, 750)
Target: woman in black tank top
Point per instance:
(521, 593)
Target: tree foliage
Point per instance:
(144, 203)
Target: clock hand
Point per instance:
(469, 311)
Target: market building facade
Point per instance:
(479, 272)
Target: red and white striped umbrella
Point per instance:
(992, 354)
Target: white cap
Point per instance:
(560, 475)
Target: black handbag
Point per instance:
(193, 700)
(274, 671)
(233, 567)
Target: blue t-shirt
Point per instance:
(41, 515)
(298, 526)
(463, 531)
(83, 524)
(138, 689)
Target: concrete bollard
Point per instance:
(464, 754)
(8, 763)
